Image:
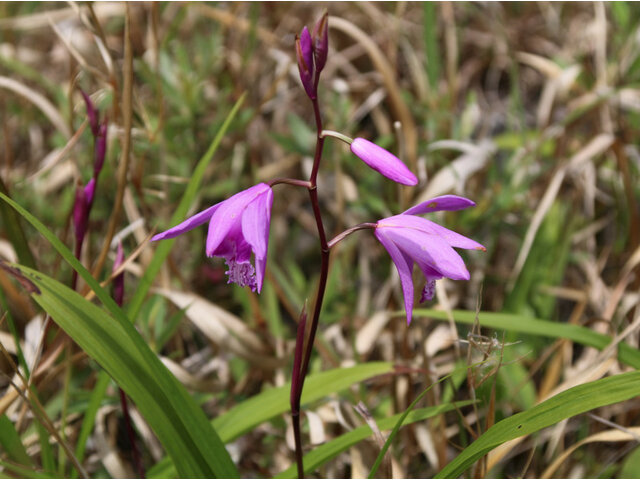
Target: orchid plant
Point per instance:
(239, 226)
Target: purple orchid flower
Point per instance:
(383, 161)
(237, 226)
(410, 239)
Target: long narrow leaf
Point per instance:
(567, 404)
(180, 425)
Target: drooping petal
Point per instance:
(189, 224)
(228, 216)
(383, 161)
(445, 202)
(404, 264)
(255, 228)
(425, 248)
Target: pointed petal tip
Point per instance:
(383, 161)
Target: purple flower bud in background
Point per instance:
(321, 41)
(410, 239)
(304, 55)
(383, 161)
(100, 148)
(89, 193)
(92, 113)
(118, 282)
(80, 213)
(238, 226)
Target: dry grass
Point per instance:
(529, 109)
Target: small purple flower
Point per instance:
(383, 161)
(237, 226)
(410, 239)
(304, 55)
(81, 208)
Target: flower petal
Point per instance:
(255, 229)
(427, 249)
(226, 217)
(452, 238)
(383, 161)
(445, 202)
(404, 264)
(189, 224)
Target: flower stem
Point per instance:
(298, 384)
(349, 231)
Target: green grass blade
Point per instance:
(179, 424)
(164, 247)
(533, 326)
(11, 443)
(21, 472)
(567, 404)
(89, 417)
(271, 403)
(325, 452)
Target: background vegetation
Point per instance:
(529, 109)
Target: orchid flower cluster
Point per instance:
(239, 225)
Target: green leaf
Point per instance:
(115, 344)
(164, 247)
(567, 404)
(11, 443)
(271, 403)
(325, 452)
(533, 326)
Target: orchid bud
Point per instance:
(118, 282)
(304, 54)
(320, 38)
(92, 113)
(383, 161)
(80, 213)
(100, 148)
(89, 193)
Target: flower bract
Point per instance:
(238, 226)
(410, 239)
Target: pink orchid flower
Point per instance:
(238, 226)
(410, 239)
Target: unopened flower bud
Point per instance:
(304, 55)
(92, 113)
(321, 41)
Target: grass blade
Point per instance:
(567, 404)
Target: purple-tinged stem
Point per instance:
(322, 284)
(295, 382)
(290, 181)
(349, 231)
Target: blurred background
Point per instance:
(529, 109)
